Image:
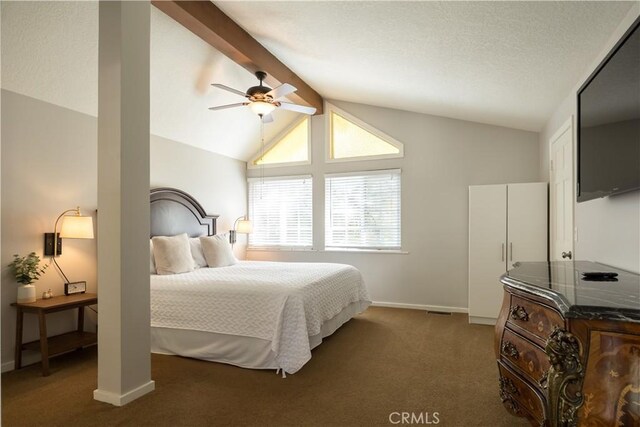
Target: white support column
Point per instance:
(124, 360)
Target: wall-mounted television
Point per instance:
(609, 123)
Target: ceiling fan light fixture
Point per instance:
(263, 100)
(261, 108)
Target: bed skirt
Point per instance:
(245, 352)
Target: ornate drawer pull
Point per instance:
(507, 388)
(507, 392)
(510, 350)
(519, 313)
(512, 405)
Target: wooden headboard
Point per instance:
(176, 212)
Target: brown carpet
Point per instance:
(384, 361)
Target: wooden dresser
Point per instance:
(568, 350)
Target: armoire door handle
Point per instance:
(502, 252)
(511, 250)
(567, 254)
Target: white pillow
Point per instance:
(196, 252)
(172, 254)
(217, 250)
(152, 262)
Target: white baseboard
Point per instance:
(122, 399)
(28, 358)
(8, 366)
(483, 320)
(420, 307)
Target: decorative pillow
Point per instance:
(217, 250)
(152, 262)
(196, 252)
(172, 254)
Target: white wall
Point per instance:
(442, 158)
(49, 157)
(49, 161)
(608, 229)
(216, 181)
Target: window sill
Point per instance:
(277, 249)
(368, 251)
(350, 251)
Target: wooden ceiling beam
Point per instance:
(208, 22)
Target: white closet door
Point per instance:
(487, 251)
(527, 222)
(561, 193)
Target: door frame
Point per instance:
(568, 125)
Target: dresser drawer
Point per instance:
(534, 318)
(519, 397)
(527, 356)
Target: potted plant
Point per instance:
(27, 270)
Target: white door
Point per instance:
(526, 222)
(487, 251)
(561, 193)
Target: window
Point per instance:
(290, 147)
(280, 209)
(352, 139)
(362, 210)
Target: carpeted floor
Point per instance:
(385, 361)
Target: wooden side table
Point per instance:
(51, 346)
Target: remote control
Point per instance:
(599, 275)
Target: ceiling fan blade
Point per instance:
(229, 89)
(282, 90)
(222, 107)
(268, 118)
(297, 108)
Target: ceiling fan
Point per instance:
(263, 100)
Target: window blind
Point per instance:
(362, 210)
(281, 211)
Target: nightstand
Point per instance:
(52, 346)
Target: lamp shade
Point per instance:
(76, 227)
(261, 107)
(244, 226)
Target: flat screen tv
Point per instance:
(609, 123)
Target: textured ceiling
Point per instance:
(503, 63)
(50, 52)
(182, 70)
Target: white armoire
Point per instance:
(507, 223)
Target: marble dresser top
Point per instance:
(562, 283)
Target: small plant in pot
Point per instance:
(27, 270)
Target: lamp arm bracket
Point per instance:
(55, 230)
(55, 227)
(235, 223)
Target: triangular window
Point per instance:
(291, 146)
(352, 139)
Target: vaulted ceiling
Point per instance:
(50, 52)
(504, 63)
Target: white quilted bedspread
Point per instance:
(284, 303)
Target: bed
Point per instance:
(254, 314)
